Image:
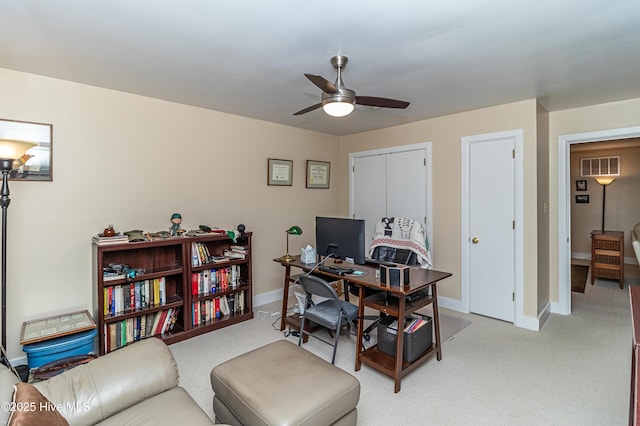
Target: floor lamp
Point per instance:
(604, 181)
(10, 150)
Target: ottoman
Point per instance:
(283, 384)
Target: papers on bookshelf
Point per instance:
(237, 252)
(116, 239)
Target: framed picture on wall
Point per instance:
(280, 172)
(582, 199)
(318, 174)
(581, 185)
(37, 163)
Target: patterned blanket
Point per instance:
(403, 233)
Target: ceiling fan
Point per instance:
(339, 101)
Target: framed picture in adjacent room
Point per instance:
(280, 172)
(582, 199)
(318, 173)
(581, 185)
(37, 163)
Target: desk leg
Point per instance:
(285, 297)
(436, 322)
(397, 375)
(360, 326)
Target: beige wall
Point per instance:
(132, 161)
(622, 208)
(614, 115)
(542, 122)
(445, 133)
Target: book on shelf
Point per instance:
(224, 305)
(200, 254)
(143, 326)
(130, 330)
(161, 322)
(219, 259)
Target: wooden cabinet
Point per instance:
(157, 294)
(607, 256)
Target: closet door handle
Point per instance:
(475, 240)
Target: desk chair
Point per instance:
(332, 313)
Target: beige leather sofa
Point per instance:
(635, 240)
(137, 384)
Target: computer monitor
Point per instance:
(342, 237)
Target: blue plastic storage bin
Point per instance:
(42, 353)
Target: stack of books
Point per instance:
(237, 252)
(116, 239)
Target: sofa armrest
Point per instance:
(92, 392)
(7, 380)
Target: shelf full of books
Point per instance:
(174, 289)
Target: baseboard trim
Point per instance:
(453, 304)
(556, 308)
(268, 297)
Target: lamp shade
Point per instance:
(605, 180)
(12, 149)
(294, 230)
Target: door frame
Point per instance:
(564, 205)
(427, 146)
(518, 136)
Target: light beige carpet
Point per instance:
(575, 371)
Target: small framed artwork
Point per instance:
(318, 173)
(581, 185)
(37, 163)
(280, 172)
(582, 199)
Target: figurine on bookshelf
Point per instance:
(175, 229)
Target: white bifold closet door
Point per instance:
(392, 184)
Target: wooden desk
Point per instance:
(396, 305)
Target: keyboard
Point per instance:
(377, 262)
(336, 270)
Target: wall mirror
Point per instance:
(39, 164)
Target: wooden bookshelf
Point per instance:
(170, 264)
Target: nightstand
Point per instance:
(607, 256)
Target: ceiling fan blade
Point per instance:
(381, 102)
(308, 109)
(324, 84)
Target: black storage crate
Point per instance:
(414, 344)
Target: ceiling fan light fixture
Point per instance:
(338, 108)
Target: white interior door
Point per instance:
(491, 228)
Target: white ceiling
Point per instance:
(248, 57)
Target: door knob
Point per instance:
(475, 240)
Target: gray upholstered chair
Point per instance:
(331, 313)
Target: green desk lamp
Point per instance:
(294, 230)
